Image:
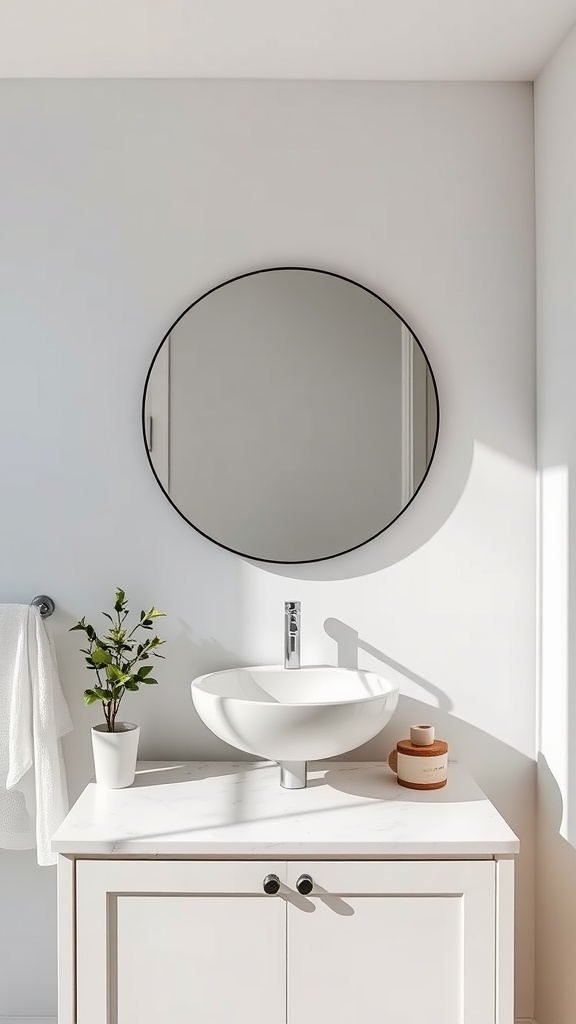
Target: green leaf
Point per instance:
(155, 614)
(113, 657)
(101, 656)
(115, 674)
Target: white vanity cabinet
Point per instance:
(164, 917)
(177, 942)
(393, 943)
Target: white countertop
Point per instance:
(216, 808)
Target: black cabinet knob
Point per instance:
(271, 884)
(305, 884)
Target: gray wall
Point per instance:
(122, 201)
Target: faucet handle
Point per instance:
(291, 634)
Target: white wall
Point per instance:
(122, 201)
(555, 109)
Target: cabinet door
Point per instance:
(179, 943)
(392, 943)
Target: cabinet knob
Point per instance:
(305, 884)
(271, 884)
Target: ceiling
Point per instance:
(301, 39)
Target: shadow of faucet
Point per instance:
(349, 643)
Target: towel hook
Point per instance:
(44, 604)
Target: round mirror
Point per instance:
(290, 415)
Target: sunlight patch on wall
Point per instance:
(554, 663)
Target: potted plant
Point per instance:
(115, 658)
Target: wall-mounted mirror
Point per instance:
(290, 415)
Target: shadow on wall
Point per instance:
(428, 511)
(349, 643)
(555, 906)
(488, 758)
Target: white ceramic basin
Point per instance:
(294, 715)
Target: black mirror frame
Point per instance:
(245, 554)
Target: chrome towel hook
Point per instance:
(44, 604)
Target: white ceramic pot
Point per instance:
(115, 754)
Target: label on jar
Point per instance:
(422, 770)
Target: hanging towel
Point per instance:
(33, 718)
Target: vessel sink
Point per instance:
(294, 715)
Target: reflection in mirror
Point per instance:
(290, 415)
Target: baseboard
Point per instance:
(39, 1020)
(53, 1020)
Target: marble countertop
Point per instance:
(353, 809)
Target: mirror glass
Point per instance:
(290, 415)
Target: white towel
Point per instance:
(33, 718)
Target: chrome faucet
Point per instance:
(292, 634)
